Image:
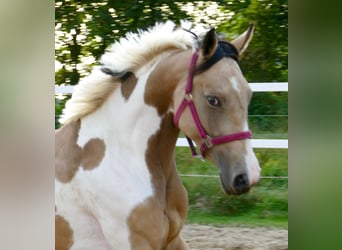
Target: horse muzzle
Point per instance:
(239, 185)
(238, 177)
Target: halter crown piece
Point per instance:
(223, 50)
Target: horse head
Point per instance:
(213, 111)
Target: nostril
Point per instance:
(241, 183)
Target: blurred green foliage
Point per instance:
(84, 29)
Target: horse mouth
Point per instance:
(230, 190)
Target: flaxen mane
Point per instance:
(129, 54)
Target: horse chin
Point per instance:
(230, 190)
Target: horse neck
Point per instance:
(142, 123)
(167, 77)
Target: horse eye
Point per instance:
(213, 101)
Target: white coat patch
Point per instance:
(253, 167)
(122, 181)
(235, 83)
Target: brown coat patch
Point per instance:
(158, 221)
(63, 234)
(128, 85)
(148, 225)
(93, 153)
(68, 154)
(164, 79)
(168, 187)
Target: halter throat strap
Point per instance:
(207, 141)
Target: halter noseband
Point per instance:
(207, 141)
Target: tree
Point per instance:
(84, 29)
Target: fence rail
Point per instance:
(269, 86)
(217, 176)
(256, 87)
(256, 143)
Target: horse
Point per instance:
(116, 182)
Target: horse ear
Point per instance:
(209, 44)
(242, 41)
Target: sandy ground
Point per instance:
(204, 237)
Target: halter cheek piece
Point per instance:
(223, 50)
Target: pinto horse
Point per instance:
(116, 185)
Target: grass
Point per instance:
(197, 217)
(265, 205)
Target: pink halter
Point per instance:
(207, 141)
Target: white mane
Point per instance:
(136, 49)
(128, 54)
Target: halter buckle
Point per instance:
(207, 142)
(188, 97)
